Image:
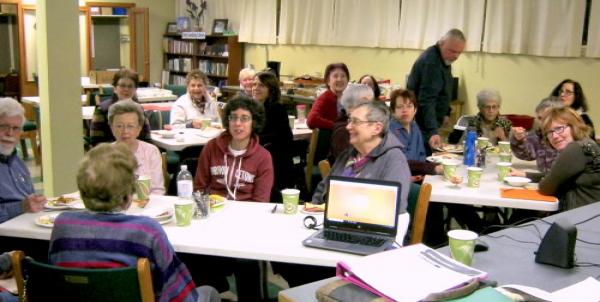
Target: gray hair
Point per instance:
(377, 112)
(488, 95)
(122, 107)
(549, 102)
(454, 33)
(9, 107)
(247, 72)
(355, 94)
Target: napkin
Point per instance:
(525, 194)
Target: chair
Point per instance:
(30, 132)
(418, 212)
(38, 281)
(324, 168)
(318, 149)
(177, 90)
(12, 87)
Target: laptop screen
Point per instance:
(363, 204)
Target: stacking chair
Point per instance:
(38, 281)
(418, 212)
(318, 149)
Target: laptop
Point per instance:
(361, 216)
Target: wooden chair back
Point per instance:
(38, 281)
(419, 216)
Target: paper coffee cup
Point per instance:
(503, 170)
(505, 157)
(449, 168)
(504, 147)
(142, 190)
(206, 122)
(482, 142)
(462, 245)
(184, 210)
(290, 200)
(474, 176)
(292, 120)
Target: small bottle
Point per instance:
(185, 184)
(469, 151)
(301, 113)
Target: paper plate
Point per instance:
(46, 221)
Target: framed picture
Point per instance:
(219, 26)
(172, 28)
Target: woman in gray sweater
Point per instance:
(575, 175)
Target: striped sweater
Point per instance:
(86, 239)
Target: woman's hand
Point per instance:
(519, 133)
(499, 133)
(516, 172)
(439, 170)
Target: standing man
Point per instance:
(16, 190)
(431, 80)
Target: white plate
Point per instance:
(46, 221)
(457, 149)
(171, 219)
(303, 211)
(516, 181)
(210, 132)
(78, 205)
(52, 205)
(438, 159)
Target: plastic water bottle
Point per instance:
(185, 184)
(469, 156)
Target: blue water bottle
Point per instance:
(469, 153)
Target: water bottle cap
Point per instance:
(183, 167)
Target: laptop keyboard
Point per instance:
(351, 238)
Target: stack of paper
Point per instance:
(407, 274)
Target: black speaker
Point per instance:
(558, 246)
(275, 67)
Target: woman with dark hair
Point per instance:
(575, 175)
(125, 83)
(277, 135)
(571, 95)
(233, 164)
(326, 107)
(369, 80)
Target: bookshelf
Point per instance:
(220, 57)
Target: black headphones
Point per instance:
(310, 222)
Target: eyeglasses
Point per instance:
(566, 92)
(355, 122)
(6, 127)
(122, 127)
(557, 130)
(244, 118)
(125, 86)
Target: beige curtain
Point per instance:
(258, 23)
(424, 22)
(366, 23)
(593, 41)
(534, 27)
(306, 22)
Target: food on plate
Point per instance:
(216, 202)
(313, 208)
(61, 201)
(455, 179)
(46, 220)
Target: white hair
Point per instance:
(454, 33)
(355, 94)
(488, 95)
(9, 107)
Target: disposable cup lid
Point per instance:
(462, 235)
(290, 191)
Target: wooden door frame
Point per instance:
(88, 5)
(133, 15)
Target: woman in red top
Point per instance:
(326, 107)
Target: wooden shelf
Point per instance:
(214, 57)
(216, 76)
(179, 54)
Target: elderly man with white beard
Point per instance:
(16, 190)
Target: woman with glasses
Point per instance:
(276, 136)
(234, 165)
(125, 83)
(403, 104)
(488, 122)
(126, 119)
(196, 105)
(575, 175)
(571, 95)
(374, 153)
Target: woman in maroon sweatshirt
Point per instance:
(233, 164)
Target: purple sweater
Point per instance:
(100, 240)
(532, 147)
